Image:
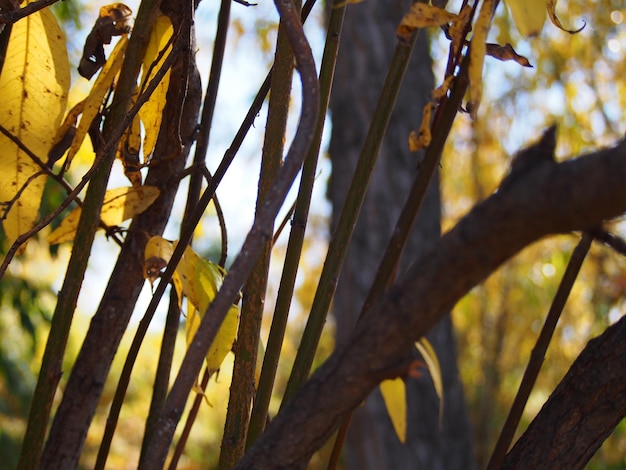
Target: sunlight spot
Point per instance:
(617, 17)
(614, 45)
(548, 270)
(615, 314)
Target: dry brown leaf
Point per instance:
(423, 15)
(457, 30)
(440, 92)
(551, 6)
(114, 20)
(478, 50)
(421, 139)
(505, 53)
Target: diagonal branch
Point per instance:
(575, 195)
(583, 410)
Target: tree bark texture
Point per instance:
(583, 410)
(547, 199)
(368, 41)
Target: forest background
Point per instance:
(576, 82)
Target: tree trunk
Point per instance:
(367, 45)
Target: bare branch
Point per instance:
(583, 410)
(574, 195)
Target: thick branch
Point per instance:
(583, 410)
(549, 198)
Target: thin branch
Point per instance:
(15, 15)
(58, 178)
(495, 230)
(257, 237)
(611, 240)
(582, 412)
(539, 351)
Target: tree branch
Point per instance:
(583, 410)
(547, 199)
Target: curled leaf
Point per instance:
(505, 53)
(457, 30)
(157, 254)
(152, 112)
(430, 358)
(478, 49)
(129, 148)
(114, 20)
(551, 7)
(423, 15)
(421, 139)
(93, 102)
(119, 205)
(65, 134)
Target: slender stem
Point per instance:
(443, 124)
(16, 15)
(258, 418)
(253, 245)
(162, 377)
(208, 108)
(539, 351)
(50, 373)
(247, 344)
(347, 220)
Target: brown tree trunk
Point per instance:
(367, 45)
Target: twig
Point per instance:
(15, 15)
(538, 353)
(257, 237)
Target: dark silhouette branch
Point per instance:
(574, 195)
(583, 410)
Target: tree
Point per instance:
(535, 200)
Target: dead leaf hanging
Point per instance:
(114, 20)
(505, 53)
(423, 15)
(551, 7)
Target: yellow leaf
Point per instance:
(93, 102)
(394, 395)
(34, 85)
(528, 15)
(129, 148)
(430, 358)
(551, 6)
(151, 113)
(200, 280)
(157, 254)
(119, 205)
(423, 15)
(65, 133)
(478, 50)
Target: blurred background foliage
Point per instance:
(577, 82)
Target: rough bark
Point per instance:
(548, 199)
(368, 41)
(86, 382)
(583, 410)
